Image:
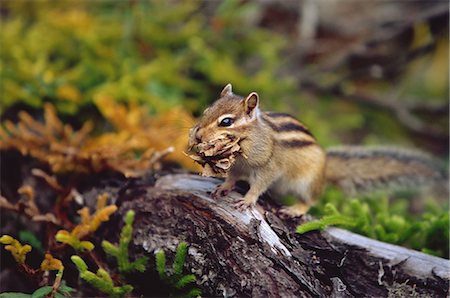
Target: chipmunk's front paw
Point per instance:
(221, 191)
(245, 203)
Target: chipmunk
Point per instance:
(281, 155)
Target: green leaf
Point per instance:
(330, 209)
(180, 258)
(160, 259)
(85, 245)
(63, 288)
(59, 295)
(14, 295)
(91, 278)
(41, 292)
(194, 293)
(430, 252)
(81, 265)
(120, 251)
(309, 226)
(380, 232)
(140, 264)
(30, 238)
(129, 217)
(121, 291)
(330, 220)
(110, 248)
(104, 275)
(183, 281)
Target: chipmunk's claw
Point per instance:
(244, 204)
(220, 192)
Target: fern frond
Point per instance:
(120, 251)
(160, 258)
(330, 220)
(185, 280)
(180, 258)
(102, 280)
(110, 248)
(140, 264)
(195, 292)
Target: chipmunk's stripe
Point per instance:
(293, 127)
(285, 126)
(295, 143)
(279, 115)
(270, 123)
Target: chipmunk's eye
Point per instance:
(226, 122)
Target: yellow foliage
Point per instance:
(68, 92)
(89, 224)
(18, 251)
(72, 240)
(51, 263)
(101, 200)
(52, 141)
(72, 19)
(169, 129)
(136, 147)
(101, 216)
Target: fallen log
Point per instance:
(257, 253)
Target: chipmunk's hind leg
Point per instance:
(296, 210)
(305, 189)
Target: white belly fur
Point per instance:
(299, 188)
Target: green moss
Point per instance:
(387, 220)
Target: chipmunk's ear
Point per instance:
(227, 90)
(251, 102)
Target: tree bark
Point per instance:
(257, 253)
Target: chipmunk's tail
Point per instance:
(362, 169)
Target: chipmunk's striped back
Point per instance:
(288, 131)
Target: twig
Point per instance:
(51, 180)
(21, 208)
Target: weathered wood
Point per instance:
(257, 253)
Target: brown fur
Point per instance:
(279, 152)
(225, 105)
(360, 169)
(281, 155)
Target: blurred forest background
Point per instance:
(372, 72)
(108, 86)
